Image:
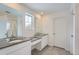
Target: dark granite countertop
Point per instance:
(41, 35)
(36, 37)
(23, 39)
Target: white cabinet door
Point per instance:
(24, 50)
(44, 42)
(18, 49)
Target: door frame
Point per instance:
(57, 18)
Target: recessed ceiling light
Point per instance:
(42, 13)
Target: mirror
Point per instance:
(8, 24)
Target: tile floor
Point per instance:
(51, 51)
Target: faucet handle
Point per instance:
(6, 34)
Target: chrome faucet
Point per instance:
(6, 34)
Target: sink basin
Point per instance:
(15, 41)
(6, 42)
(34, 39)
(3, 43)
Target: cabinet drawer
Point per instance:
(44, 42)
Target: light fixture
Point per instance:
(42, 13)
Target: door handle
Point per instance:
(54, 33)
(72, 36)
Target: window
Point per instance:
(28, 20)
(29, 25)
(8, 26)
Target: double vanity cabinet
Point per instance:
(25, 47)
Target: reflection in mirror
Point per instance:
(8, 23)
(2, 28)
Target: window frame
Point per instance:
(32, 22)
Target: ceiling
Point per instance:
(48, 7)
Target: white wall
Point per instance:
(76, 29)
(38, 22)
(47, 27)
(44, 25)
(70, 34)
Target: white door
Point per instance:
(60, 32)
(71, 34)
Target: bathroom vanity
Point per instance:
(23, 46)
(17, 47)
